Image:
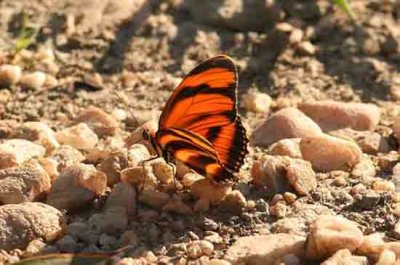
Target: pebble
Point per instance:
(79, 136)
(176, 205)
(334, 115)
(270, 171)
(36, 219)
(112, 167)
(286, 123)
(67, 244)
(383, 186)
(329, 234)
(396, 128)
(364, 170)
(219, 262)
(100, 122)
(66, 156)
(112, 221)
(306, 48)
(344, 256)
(34, 248)
(15, 152)
(279, 210)
(327, 153)
(387, 161)
(289, 197)
(9, 75)
(369, 142)
(209, 191)
(372, 245)
(153, 198)
(139, 177)
(301, 176)
(233, 202)
(264, 249)
(164, 172)
(23, 184)
(189, 178)
(286, 147)
(387, 257)
(38, 132)
(137, 153)
(122, 195)
(76, 187)
(257, 102)
(35, 80)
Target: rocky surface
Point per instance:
(318, 96)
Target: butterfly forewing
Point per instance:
(204, 105)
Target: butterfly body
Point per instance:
(200, 125)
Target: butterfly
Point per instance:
(200, 125)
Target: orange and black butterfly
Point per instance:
(200, 125)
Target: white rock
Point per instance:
(33, 80)
(15, 152)
(9, 74)
(79, 136)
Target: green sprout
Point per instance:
(343, 4)
(26, 36)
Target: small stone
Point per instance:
(189, 178)
(35, 247)
(154, 199)
(301, 176)
(329, 234)
(206, 247)
(207, 190)
(67, 244)
(388, 161)
(164, 172)
(327, 153)
(396, 209)
(284, 27)
(286, 123)
(38, 132)
(140, 177)
(270, 171)
(76, 187)
(50, 82)
(233, 202)
(22, 184)
(33, 80)
(344, 256)
(120, 114)
(194, 251)
(257, 102)
(264, 249)
(358, 189)
(112, 167)
(5, 96)
(289, 197)
(372, 245)
(340, 181)
(17, 151)
(122, 195)
(113, 220)
(306, 48)
(100, 122)
(7, 128)
(76, 229)
(279, 210)
(219, 262)
(334, 115)
(176, 205)
(383, 186)
(9, 75)
(137, 153)
(66, 156)
(364, 170)
(286, 147)
(296, 36)
(35, 219)
(387, 257)
(79, 136)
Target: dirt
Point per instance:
(142, 48)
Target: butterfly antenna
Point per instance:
(126, 105)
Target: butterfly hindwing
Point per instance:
(204, 104)
(193, 150)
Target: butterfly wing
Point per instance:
(204, 103)
(195, 151)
